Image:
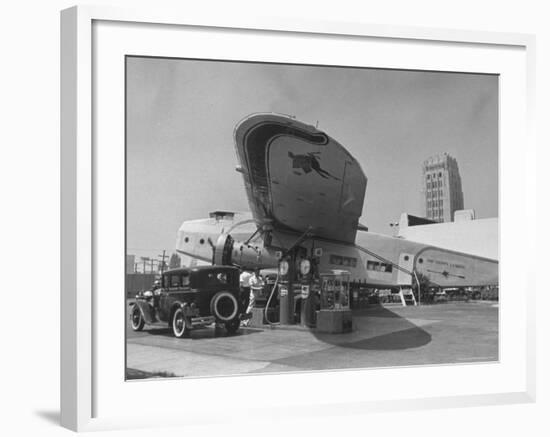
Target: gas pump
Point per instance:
(286, 293)
(309, 289)
(335, 314)
(297, 279)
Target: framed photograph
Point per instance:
(320, 215)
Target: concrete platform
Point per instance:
(381, 337)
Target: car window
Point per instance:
(174, 281)
(214, 278)
(185, 280)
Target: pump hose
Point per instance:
(269, 301)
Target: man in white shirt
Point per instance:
(255, 285)
(244, 282)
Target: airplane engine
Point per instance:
(229, 251)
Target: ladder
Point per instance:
(407, 296)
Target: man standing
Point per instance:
(256, 284)
(244, 282)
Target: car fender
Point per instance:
(187, 312)
(147, 311)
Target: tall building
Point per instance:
(442, 188)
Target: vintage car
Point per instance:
(188, 298)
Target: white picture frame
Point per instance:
(83, 345)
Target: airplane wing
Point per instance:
(297, 178)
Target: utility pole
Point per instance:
(144, 259)
(162, 263)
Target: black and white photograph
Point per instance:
(290, 218)
(295, 218)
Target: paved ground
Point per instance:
(382, 336)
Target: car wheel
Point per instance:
(232, 326)
(136, 319)
(179, 327)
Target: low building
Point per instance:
(130, 263)
(475, 237)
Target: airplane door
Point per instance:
(406, 261)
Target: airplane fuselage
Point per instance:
(375, 259)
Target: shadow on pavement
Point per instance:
(406, 339)
(376, 311)
(202, 333)
(402, 334)
(141, 374)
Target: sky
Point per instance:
(181, 115)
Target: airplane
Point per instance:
(306, 190)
